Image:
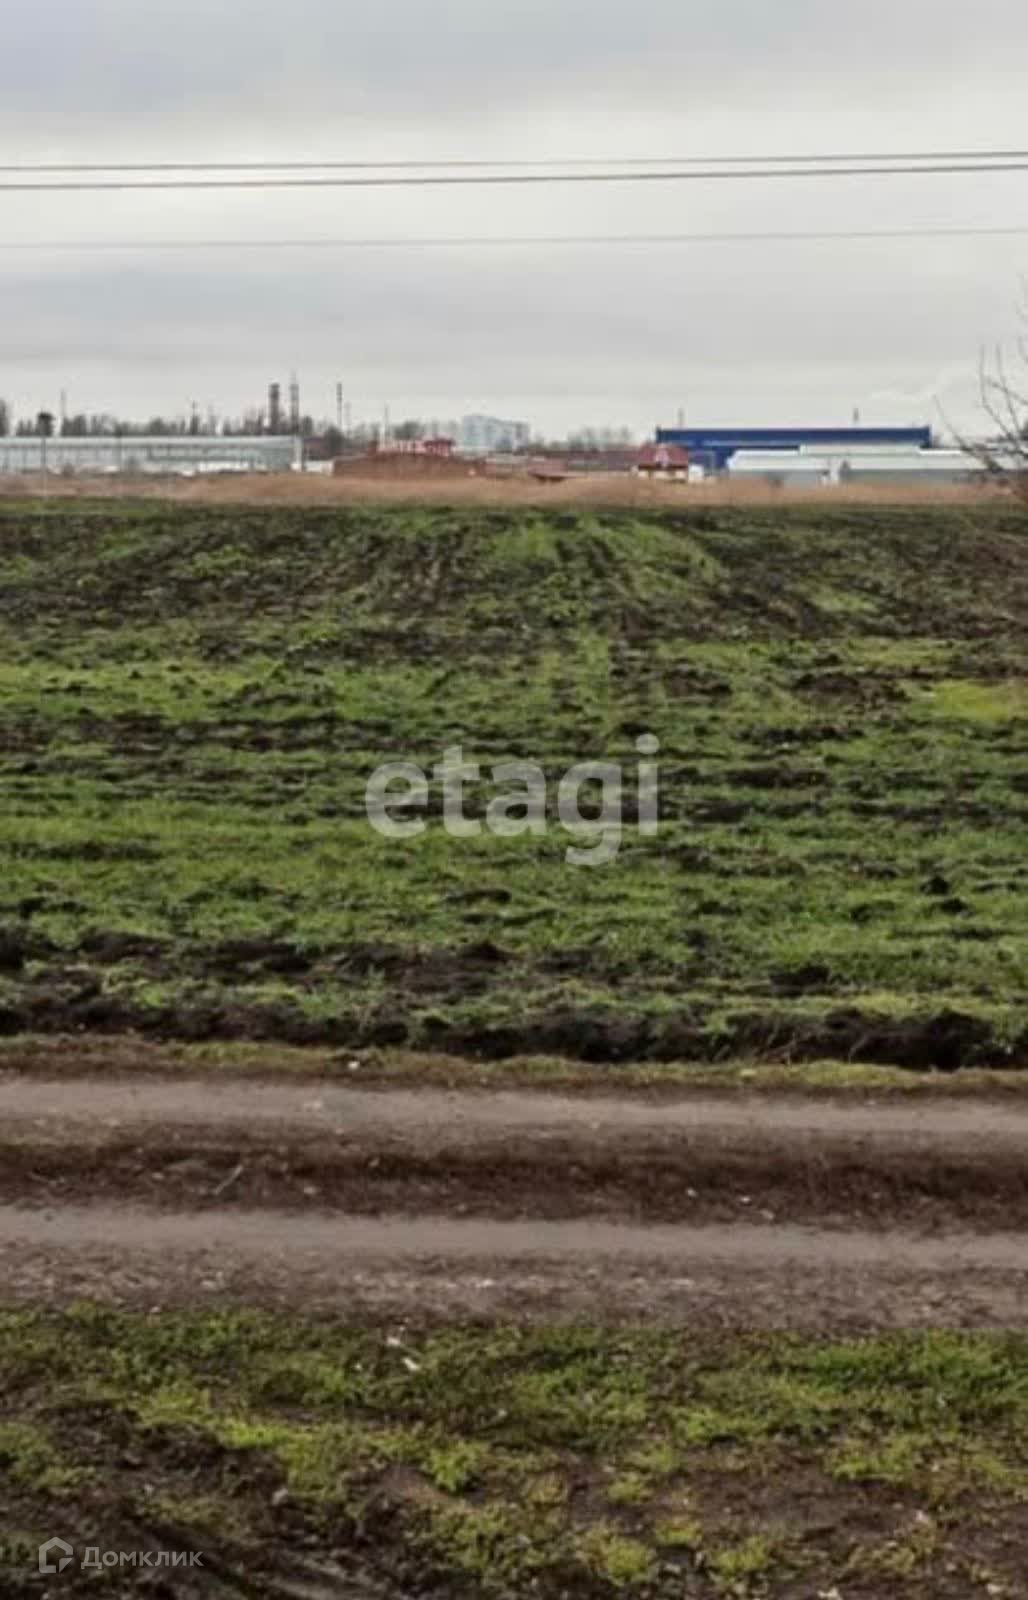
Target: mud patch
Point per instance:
(65, 1000)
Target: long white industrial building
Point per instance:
(177, 454)
(812, 465)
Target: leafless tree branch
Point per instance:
(1004, 399)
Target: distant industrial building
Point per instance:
(175, 455)
(713, 449)
(486, 436)
(810, 467)
(404, 458)
(437, 445)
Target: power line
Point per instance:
(493, 179)
(479, 241)
(546, 162)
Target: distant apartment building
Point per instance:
(480, 435)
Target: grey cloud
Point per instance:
(112, 62)
(748, 330)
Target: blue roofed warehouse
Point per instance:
(713, 448)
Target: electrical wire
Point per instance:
(551, 162)
(494, 179)
(524, 241)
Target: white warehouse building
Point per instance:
(812, 466)
(181, 455)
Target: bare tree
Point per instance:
(1004, 396)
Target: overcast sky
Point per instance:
(742, 333)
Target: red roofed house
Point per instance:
(668, 462)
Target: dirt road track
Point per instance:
(727, 1276)
(189, 1144)
(732, 1212)
(428, 1111)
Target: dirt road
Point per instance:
(744, 1277)
(192, 1144)
(358, 1110)
(727, 1212)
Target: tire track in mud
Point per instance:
(192, 1144)
(733, 1212)
(201, 1100)
(741, 1277)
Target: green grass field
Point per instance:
(194, 699)
(510, 1462)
